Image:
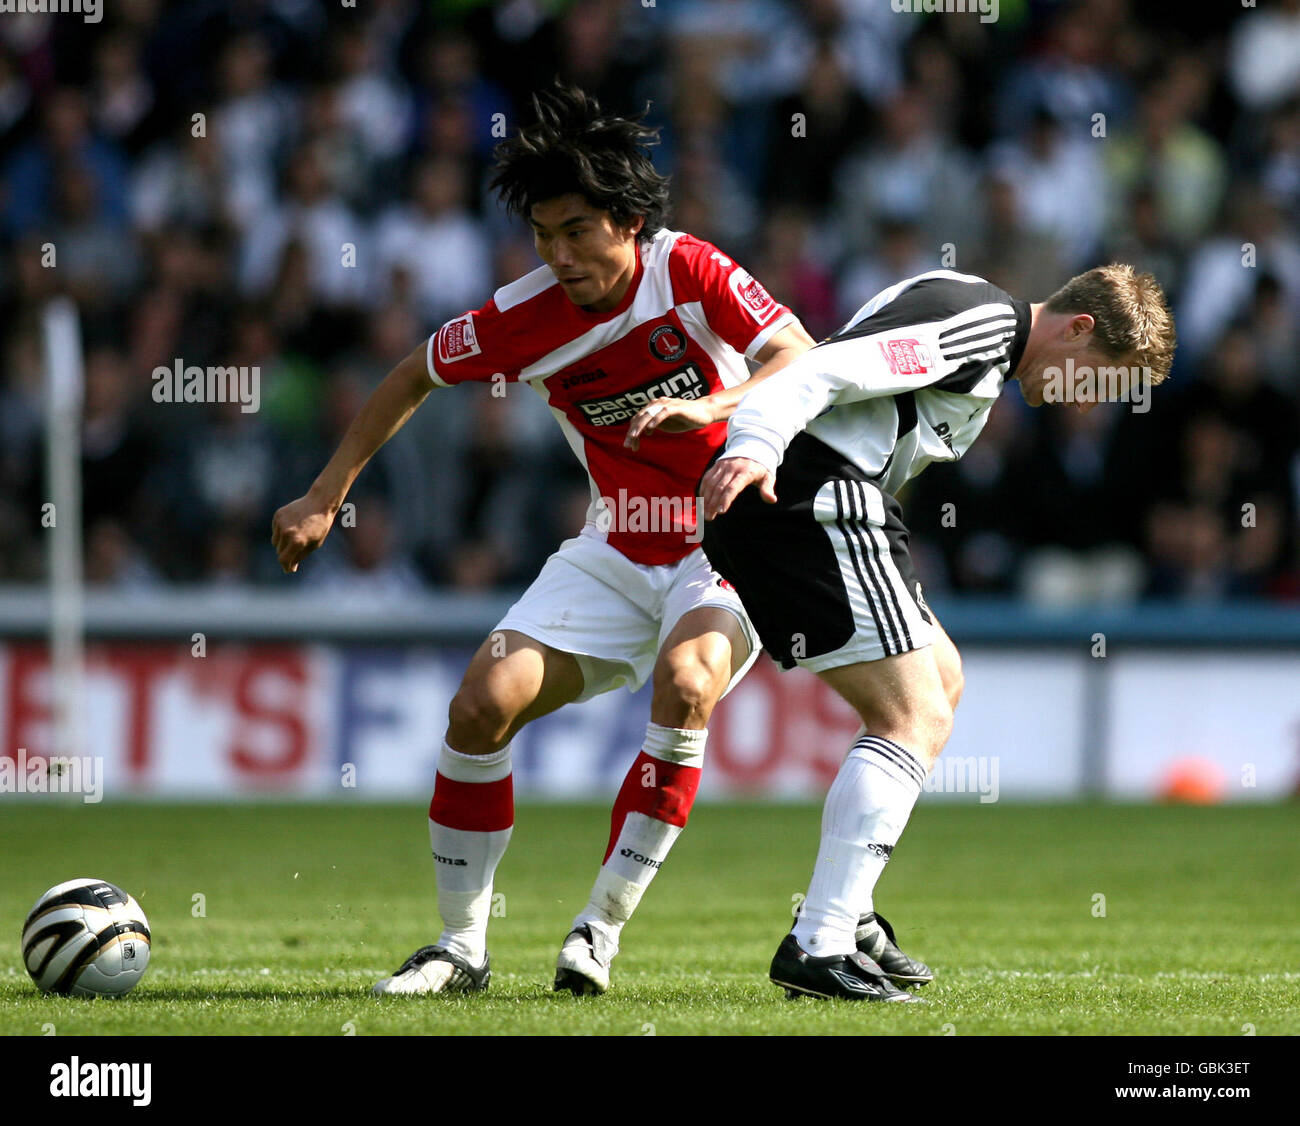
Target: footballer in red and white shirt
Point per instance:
(637, 337)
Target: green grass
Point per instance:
(307, 905)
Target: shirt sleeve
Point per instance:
(473, 348)
(860, 364)
(735, 304)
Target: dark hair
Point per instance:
(572, 147)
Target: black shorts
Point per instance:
(824, 573)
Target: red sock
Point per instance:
(662, 790)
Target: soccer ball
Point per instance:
(87, 938)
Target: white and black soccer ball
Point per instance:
(87, 938)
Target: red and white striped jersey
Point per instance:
(688, 318)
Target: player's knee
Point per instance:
(933, 720)
(954, 680)
(478, 718)
(685, 691)
(922, 723)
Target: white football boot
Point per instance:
(583, 965)
(431, 969)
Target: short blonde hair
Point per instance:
(1131, 313)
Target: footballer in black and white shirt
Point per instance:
(818, 552)
(909, 380)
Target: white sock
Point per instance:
(466, 858)
(866, 810)
(653, 803)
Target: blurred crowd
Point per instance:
(195, 169)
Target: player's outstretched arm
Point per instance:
(677, 415)
(300, 527)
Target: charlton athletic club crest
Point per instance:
(667, 343)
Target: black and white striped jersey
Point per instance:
(909, 380)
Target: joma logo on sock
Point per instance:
(456, 860)
(881, 850)
(639, 858)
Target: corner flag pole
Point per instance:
(63, 400)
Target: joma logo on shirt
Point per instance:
(685, 383)
(567, 381)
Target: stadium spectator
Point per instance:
(912, 173)
(1164, 149)
(16, 102)
(1071, 77)
(1264, 55)
(371, 569)
(96, 257)
(1041, 162)
(371, 103)
(1223, 272)
(1137, 234)
(812, 131)
(115, 560)
(788, 261)
(899, 254)
(181, 180)
(125, 107)
(313, 213)
(1007, 251)
(252, 124)
(438, 241)
(65, 141)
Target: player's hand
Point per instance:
(298, 529)
(672, 415)
(728, 479)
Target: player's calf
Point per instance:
(510, 680)
(703, 652)
(649, 814)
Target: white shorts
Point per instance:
(614, 615)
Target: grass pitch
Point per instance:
(301, 908)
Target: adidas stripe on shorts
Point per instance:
(825, 572)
